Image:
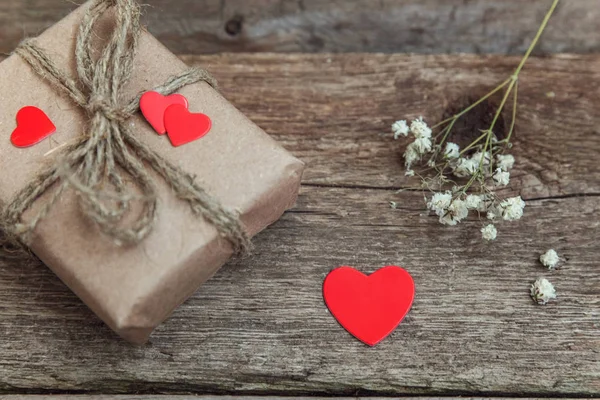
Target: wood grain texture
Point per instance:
(421, 26)
(208, 397)
(260, 326)
(335, 112)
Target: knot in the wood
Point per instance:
(235, 25)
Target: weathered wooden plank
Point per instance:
(422, 26)
(335, 112)
(260, 326)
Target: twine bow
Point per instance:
(107, 166)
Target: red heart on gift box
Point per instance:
(370, 307)
(153, 106)
(183, 126)
(33, 126)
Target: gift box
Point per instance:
(134, 287)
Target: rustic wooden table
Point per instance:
(260, 326)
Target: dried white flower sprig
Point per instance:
(465, 180)
(542, 291)
(484, 170)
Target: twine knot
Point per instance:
(100, 105)
(107, 167)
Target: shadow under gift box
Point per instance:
(135, 288)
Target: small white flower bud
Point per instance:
(501, 177)
(411, 155)
(400, 128)
(423, 145)
(505, 161)
(452, 151)
(420, 129)
(512, 208)
(542, 291)
(489, 232)
(550, 259)
(456, 212)
(465, 167)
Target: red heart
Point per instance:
(33, 126)
(154, 105)
(184, 127)
(369, 307)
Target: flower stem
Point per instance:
(472, 106)
(474, 143)
(514, 115)
(511, 82)
(537, 37)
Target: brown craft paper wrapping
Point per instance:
(134, 289)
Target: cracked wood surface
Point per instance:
(420, 26)
(260, 326)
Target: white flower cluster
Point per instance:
(420, 146)
(511, 209)
(550, 259)
(505, 161)
(485, 166)
(452, 151)
(452, 208)
(501, 177)
(542, 291)
(463, 167)
(400, 128)
(489, 232)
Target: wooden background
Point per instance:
(420, 26)
(260, 326)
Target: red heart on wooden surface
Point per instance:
(183, 126)
(153, 106)
(33, 126)
(370, 307)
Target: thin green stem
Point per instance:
(514, 114)
(470, 183)
(488, 140)
(512, 84)
(447, 132)
(501, 107)
(514, 78)
(537, 37)
(444, 122)
(473, 144)
(472, 106)
(481, 100)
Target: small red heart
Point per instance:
(33, 126)
(369, 307)
(184, 127)
(154, 105)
